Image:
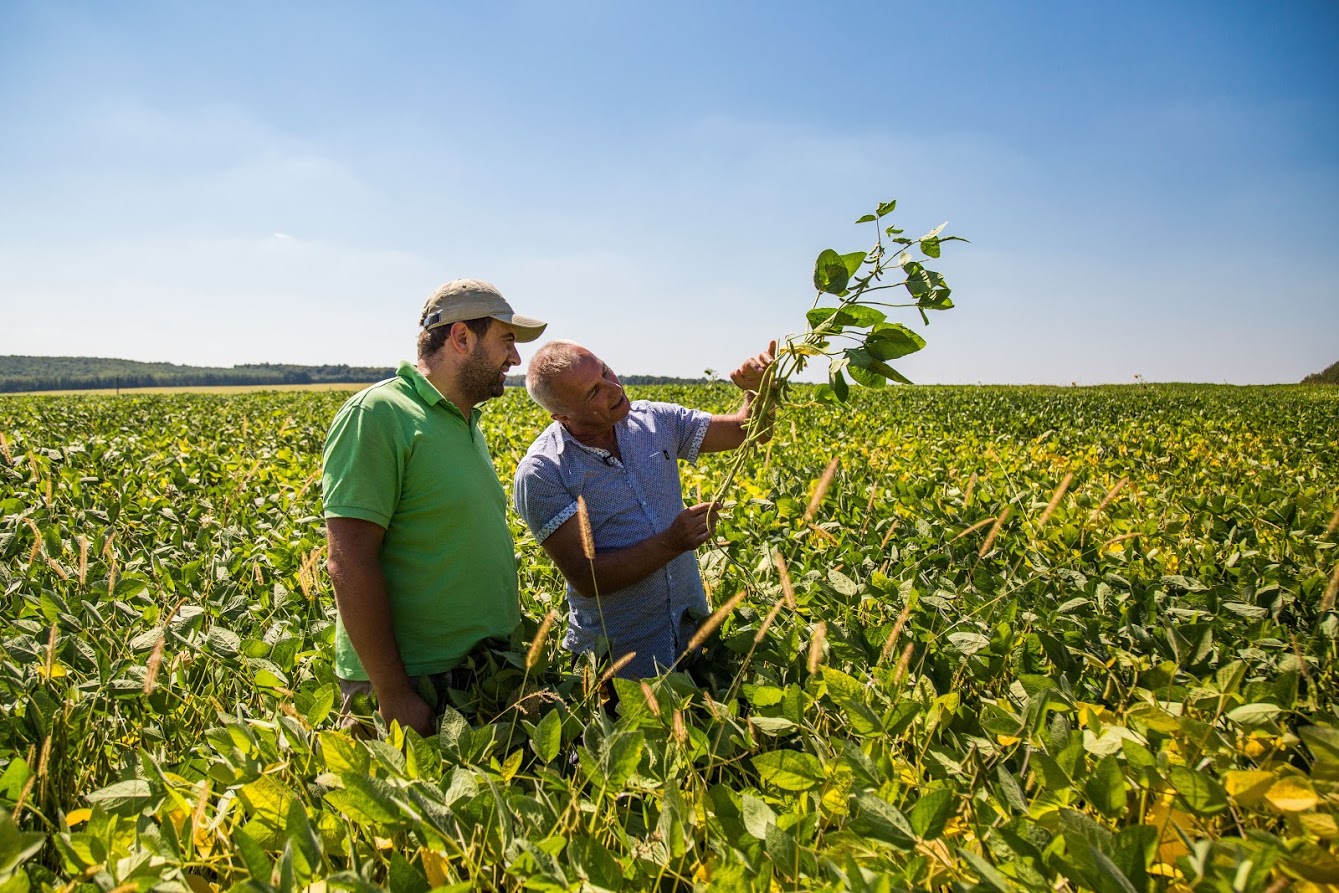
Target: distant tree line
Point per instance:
(19, 374)
(88, 373)
(1329, 376)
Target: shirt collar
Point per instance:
(429, 394)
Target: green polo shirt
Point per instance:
(401, 455)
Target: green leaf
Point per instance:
(621, 752)
(790, 770)
(404, 877)
(831, 318)
(853, 262)
(16, 847)
(882, 821)
(930, 247)
(888, 341)
(1323, 742)
(1254, 715)
(868, 218)
(780, 848)
(931, 813)
(1200, 792)
(258, 864)
(594, 863)
(990, 877)
(758, 816)
(837, 381)
(267, 800)
(453, 733)
(116, 797)
(365, 800)
(830, 273)
(1106, 787)
(547, 738)
(886, 207)
(918, 281)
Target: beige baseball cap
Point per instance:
(462, 299)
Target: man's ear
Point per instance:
(461, 337)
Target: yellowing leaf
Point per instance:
(77, 817)
(1319, 824)
(434, 866)
(1249, 786)
(511, 765)
(1292, 795)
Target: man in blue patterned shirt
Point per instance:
(643, 592)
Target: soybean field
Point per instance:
(970, 638)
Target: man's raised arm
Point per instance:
(727, 432)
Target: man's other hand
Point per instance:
(749, 375)
(693, 527)
(412, 712)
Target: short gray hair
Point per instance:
(550, 361)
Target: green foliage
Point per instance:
(18, 374)
(1138, 691)
(1330, 375)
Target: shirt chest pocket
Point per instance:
(662, 479)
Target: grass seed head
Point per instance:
(83, 557)
(155, 661)
(616, 666)
(1327, 600)
(787, 588)
(1111, 494)
(902, 664)
(816, 645)
(767, 621)
(587, 535)
(537, 646)
(680, 730)
(4, 448)
(713, 622)
(994, 532)
(651, 701)
(971, 485)
(1334, 524)
(821, 489)
(1055, 498)
(896, 631)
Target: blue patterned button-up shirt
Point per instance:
(628, 501)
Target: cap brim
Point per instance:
(527, 327)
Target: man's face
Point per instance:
(484, 372)
(590, 394)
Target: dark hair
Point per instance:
(431, 340)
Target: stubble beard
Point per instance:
(479, 379)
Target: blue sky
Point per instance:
(1149, 189)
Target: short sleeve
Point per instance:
(540, 497)
(362, 468)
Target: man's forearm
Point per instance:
(623, 567)
(364, 608)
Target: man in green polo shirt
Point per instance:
(421, 556)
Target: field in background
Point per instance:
(193, 389)
(1028, 638)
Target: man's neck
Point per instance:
(600, 438)
(441, 378)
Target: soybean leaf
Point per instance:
(790, 770)
(547, 738)
(831, 273)
(889, 341)
(931, 813)
(1200, 792)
